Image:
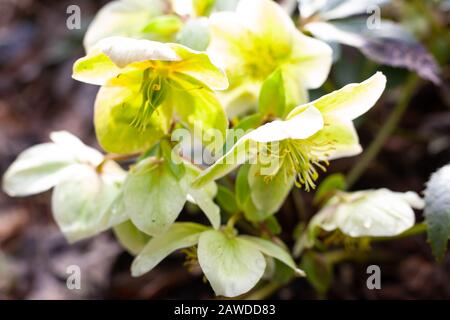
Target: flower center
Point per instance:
(153, 91)
(304, 159)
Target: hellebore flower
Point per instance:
(232, 264)
(255, 41)
(297, 148)
(86, 185)
(371, 213)
(144, 83)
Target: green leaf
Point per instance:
(130, 237)
(174, 161)
(153, 196)
(203, 197)
(273, 225)
(163, 25)
(195, 35)
(273, 250)
(242, 186)
(331, 184)
(437, 211)
(227, 200)
(250, 122)
(203, 7)
(85, 204)
(232, 265)
(269, 193)
(319, 271)
(178, 236)
(272, 100)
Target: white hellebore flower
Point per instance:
(371, 213)
(301, 145)
(86, 184)
(257, 40)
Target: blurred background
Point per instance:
(38, 95)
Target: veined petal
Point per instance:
(232, 265)
(116, 107)
(311, 60)
(341, 136)
(351, 101)
(43, 166)
(372, 213)
(178, 236)
(110, 56)
(267, 19)
(302, 126)
(199, 66)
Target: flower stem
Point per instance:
(264, 292)
(385, 132)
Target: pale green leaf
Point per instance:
(273, 250)
(272, 100)
(231, 265)
(153, 196)
(130, 237)
(269, 192)
(178, 236)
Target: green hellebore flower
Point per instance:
(301, 145)
(255, 41)
(86, 185)
(233, 264)
(143, 84)
(371, 213)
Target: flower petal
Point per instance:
(178, 236)
(310, 61)
(199, 66)
(372, 213)
(302, 126)
(341, 136)
(83, 203)
(232, 266)
(116, 107)
(351, 101)
(43, 166)
(110, 56)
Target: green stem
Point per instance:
(264, 292)
(386, 131)
(414, 231)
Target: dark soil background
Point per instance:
(37, 96)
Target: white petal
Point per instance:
(302, 126)
(373, 213)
